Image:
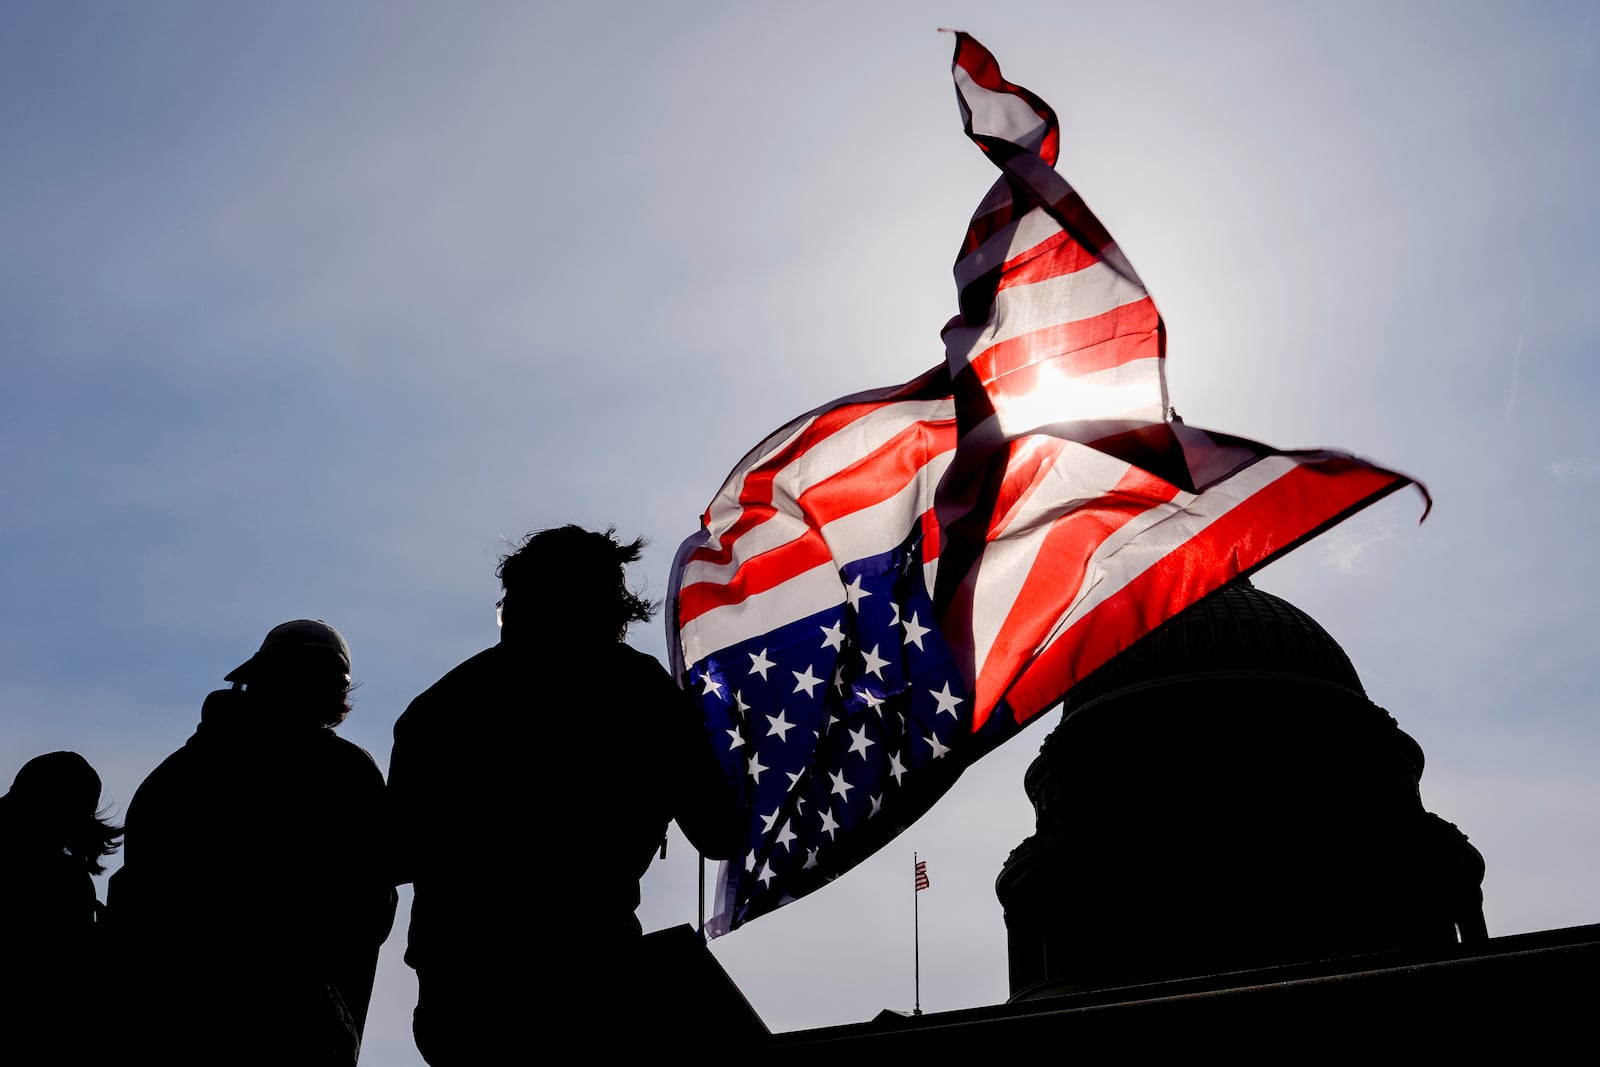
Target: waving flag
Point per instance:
(893, 584)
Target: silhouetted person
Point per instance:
(52, 839)
(531, 786)
(253, 895)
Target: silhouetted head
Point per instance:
(58, 796)
(59, 782)
(301, 663)
(571, 583)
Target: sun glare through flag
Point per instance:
(893, 584)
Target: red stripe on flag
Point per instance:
(766, 571)
(870, 480)
(1082, 346)
(1031, 265)
(1075, 216)
(1060, 564)
(1028, 460)
(879, 475)
(930, 536)
(1053, 255)
(1305, 501)
(756, 486)
(984, 226)
(984, 70)
(755, 493)
(980, 65)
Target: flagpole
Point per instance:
(916, 937)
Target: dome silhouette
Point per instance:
(1224, 795)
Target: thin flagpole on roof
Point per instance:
(919, 871)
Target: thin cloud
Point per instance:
(1343, 547)
(1580, 469)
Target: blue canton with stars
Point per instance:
(840, 730)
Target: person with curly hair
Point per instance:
(530, 788)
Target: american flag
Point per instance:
(922, 875)
(894, 583)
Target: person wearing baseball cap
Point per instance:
(254, 893)
(305, 657)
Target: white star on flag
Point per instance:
(914, 632)
(833, 636)
(760, 664)
(805, 682)
(948, 701)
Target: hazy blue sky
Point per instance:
(308, 309)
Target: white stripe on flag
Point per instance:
(868, 532)
(1003, 115)
(1006, 243)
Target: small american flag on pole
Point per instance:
(894, 583)
(922, 875)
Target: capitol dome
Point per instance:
(1237, 630)
(1225, 795)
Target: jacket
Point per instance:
(253, 896)
(530, 789)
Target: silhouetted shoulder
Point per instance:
(643, 667)
(361, 764)
(482, 673)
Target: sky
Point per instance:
(311, 310)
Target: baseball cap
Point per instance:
(291, 640)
